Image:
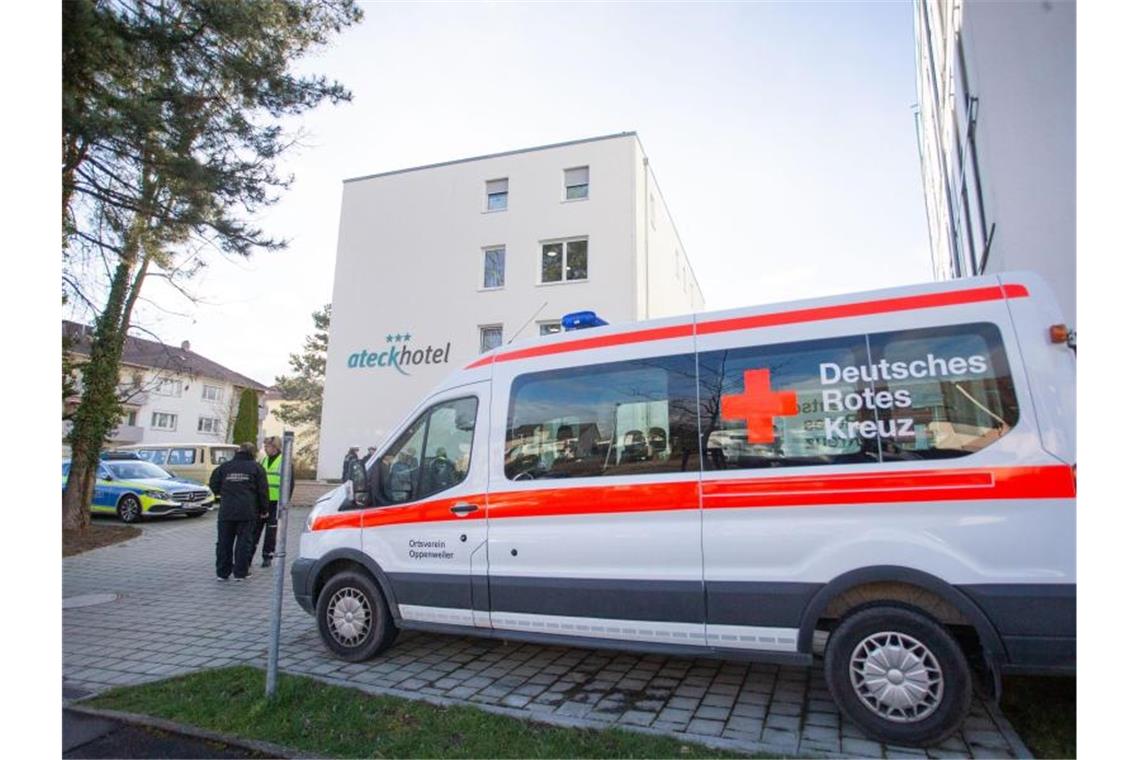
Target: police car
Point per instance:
(881, 481)
(133, 489)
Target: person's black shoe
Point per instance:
(266, 562)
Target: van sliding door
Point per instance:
(594, 528)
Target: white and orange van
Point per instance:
(884, 479)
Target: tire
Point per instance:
(129, 508)
(353, 592)
(940, 684)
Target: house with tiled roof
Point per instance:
(169, 393)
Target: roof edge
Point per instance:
(613, 136)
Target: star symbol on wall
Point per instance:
(389, 337)
(407, 336)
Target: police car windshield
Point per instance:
(136, 470)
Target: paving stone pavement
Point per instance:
(169, 616)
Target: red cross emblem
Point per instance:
(758, 405)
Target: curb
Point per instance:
(146, 721)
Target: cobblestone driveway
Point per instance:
(167, 616)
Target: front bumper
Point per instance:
(302, 572)
(158, 508)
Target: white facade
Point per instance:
(168, 394)
(997, 134)
(411, 286)
(171, 408)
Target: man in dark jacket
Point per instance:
(350, 461)
(244, 490)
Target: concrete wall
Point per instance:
(1021, 58)
(667, 285)
(409, 263)
(1014, 86)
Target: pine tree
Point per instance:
(172, 115)
(246, 424)
(304, 390)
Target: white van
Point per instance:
(894, 471)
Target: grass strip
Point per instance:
(337, 721)
(1043, 711)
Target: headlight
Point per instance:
(160, 495)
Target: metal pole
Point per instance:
(279, 562)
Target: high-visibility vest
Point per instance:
(273, 474)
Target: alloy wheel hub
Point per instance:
(896, 676)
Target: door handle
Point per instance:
(463, 509)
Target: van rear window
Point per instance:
(928, 393)
(221, 455)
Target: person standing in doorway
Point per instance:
(244, 491)
(268, 521)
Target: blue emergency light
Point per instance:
(580, 320)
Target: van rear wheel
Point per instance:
(898, 675)
(353, 618)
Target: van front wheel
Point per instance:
(898, 675)
(352, 617)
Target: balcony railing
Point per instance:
(120, 436)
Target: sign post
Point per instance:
(279, 562)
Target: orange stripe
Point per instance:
(1046, 482)
(795, 316)
(860, 309)
(582, 344)
(594, 500)
(1040, 482)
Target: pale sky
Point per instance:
(782, 136)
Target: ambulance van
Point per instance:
(881, 483)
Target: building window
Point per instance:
(550, 327)
(577, 183)
(130, 418)
(209, 425)
(211, 393)
(164, 421)
(497, 195)
(169, 387)
(490, 336)
(564, 260)
(494, 267)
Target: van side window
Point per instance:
(154, 456)
(181, 457)
(620, 418)
(957, 382)
(780, 406)
(432, 455)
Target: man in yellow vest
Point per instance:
(267, 521)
